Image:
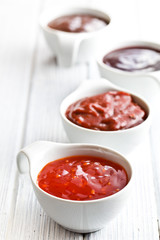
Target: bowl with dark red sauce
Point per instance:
(80, 186)
(134, 65)
(73, 33)
(100, 112)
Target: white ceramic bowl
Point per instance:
(78, 216)
(121, 140)
(146, 84)
(70, 48)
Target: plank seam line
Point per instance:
(29, 93)
(88, 70)
(158, 227)
(154, 181)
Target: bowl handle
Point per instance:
(23, 162)
(31, 153)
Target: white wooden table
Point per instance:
(32, 87)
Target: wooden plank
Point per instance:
(155, 143)
(16, 53)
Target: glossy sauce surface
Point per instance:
(82, 178)
(134, 59)
(109, 111)
(78, 23)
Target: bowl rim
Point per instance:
(107, 149)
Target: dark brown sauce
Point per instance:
(134, 59)
(78, 23)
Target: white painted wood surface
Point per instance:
(31, 90)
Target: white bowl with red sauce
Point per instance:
(123, 140)
(72, 47)
(136, 74)
(76, 215)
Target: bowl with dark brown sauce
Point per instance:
(102, 113)
(134, 65)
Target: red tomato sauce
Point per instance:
(82, 178)
(109, 111)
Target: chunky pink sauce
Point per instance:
(109, 111)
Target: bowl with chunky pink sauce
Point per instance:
(102, 113)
